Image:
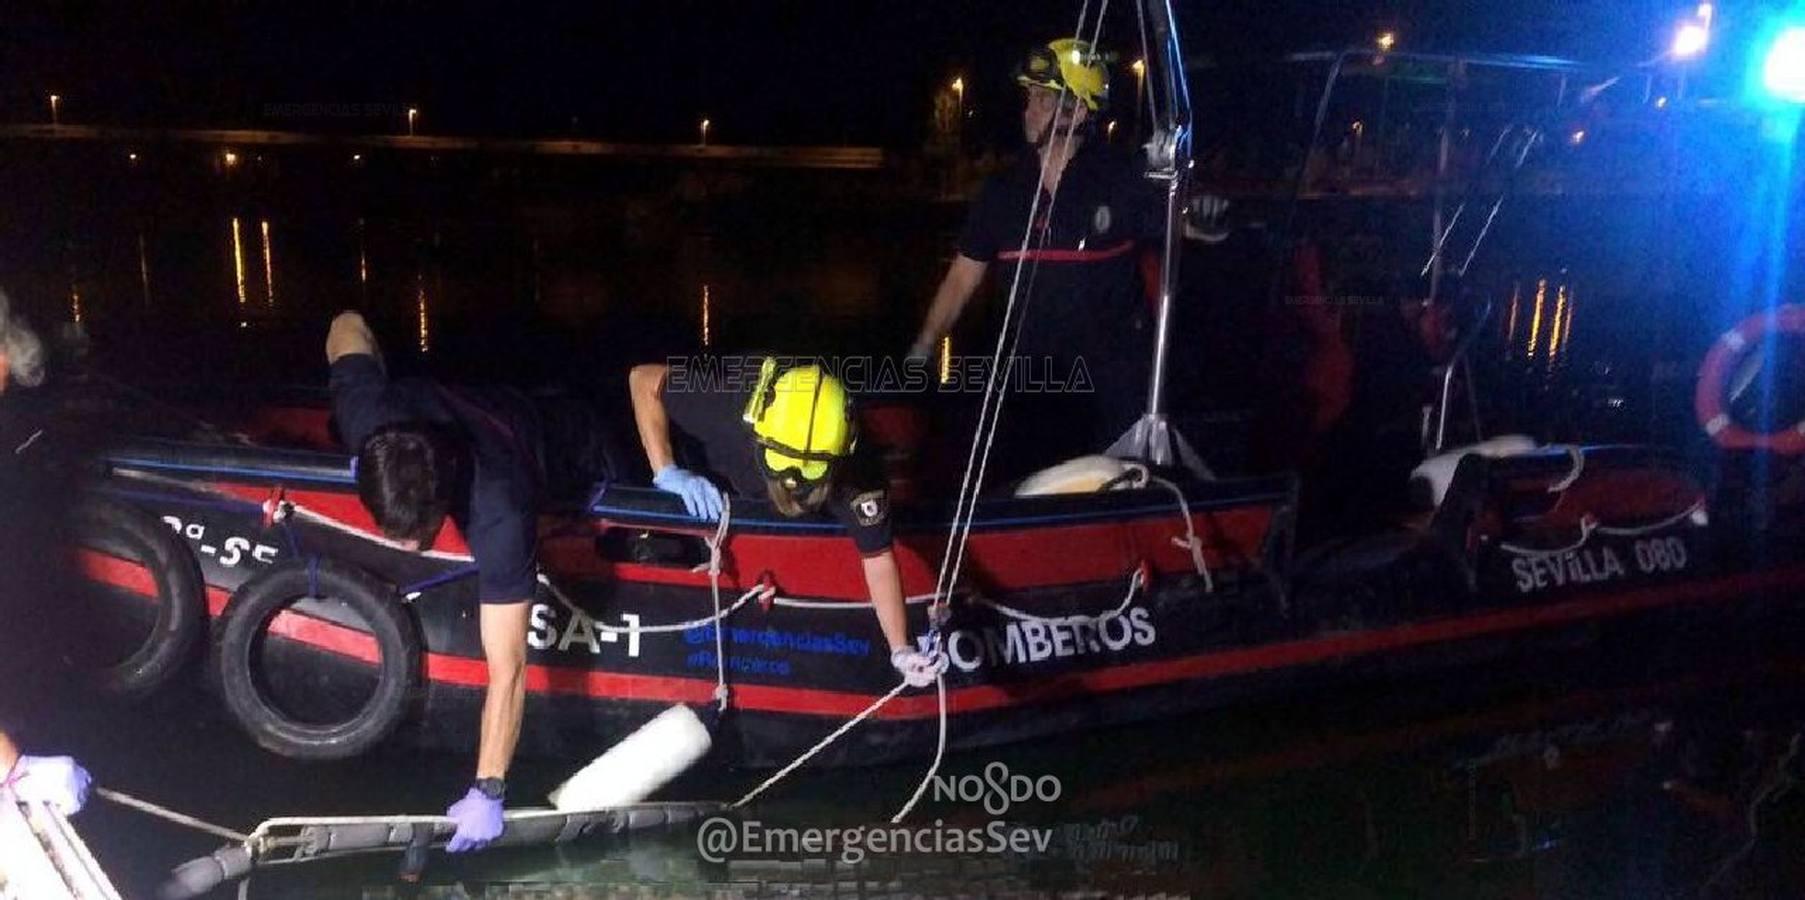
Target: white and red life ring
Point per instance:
(1713, 377)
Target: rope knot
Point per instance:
(277, 508)
(940, 613)
(766, 590)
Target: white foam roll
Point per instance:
(642, 763)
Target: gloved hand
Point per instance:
(918, 667)
(478, 818)
(700, 497)
(58, 781)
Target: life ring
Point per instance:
(1713, 377)
(133, 537)
(254, 613)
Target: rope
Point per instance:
(1579, 467)
(1695, 512)
(714, 586)
(413, 591)
(668, 628)
(827, 741)
(1587, 525)
(28, 442)
(1135, 582)
(169, 815)
(1782, 782)
(965, 510)
(1190, 541)
(939, 754)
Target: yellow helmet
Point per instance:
(802, 421)
(1072, 65)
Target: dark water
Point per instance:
(1623, 767)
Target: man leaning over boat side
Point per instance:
(1072, 216)
(486, 458)
(790, 439)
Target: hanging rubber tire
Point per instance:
(318, 647)
(106, 534)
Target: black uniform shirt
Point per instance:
(1079, 270)
(501, 429)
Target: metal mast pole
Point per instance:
(1168, 159)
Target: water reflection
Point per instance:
(707, 340)
(1552, 339)
(363, 263)
(1516, 303)
(1535, 321)
(269, 268)
(143, 269)
(238, 267)
(1560, 315)
(424, 326)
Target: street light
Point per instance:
(1387, 40)
(413, 114)
(704, 132)
(56, 101)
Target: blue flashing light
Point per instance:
(1783, 70)
(1690, 40)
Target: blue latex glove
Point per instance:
(58, 781)
(700, 497)
(478, 819)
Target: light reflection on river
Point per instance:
(442, 252)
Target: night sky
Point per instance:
(847, 71)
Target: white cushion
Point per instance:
(1084, 475)
(1438, 471)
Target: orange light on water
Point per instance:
(238, 261)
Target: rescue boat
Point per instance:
(1079, 610)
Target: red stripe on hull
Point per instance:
(470, 672)
(830, 568)
(1057, 255)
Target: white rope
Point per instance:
(1135, 583)
(825, 742)
(170, 815)
(28, 442)
(939, 754)
(319, 518)
(721, 692)
(666, 628)
(911, 600)
(1579, 467)
(1190, 541)
(1589, 526)
(1008, 338)
(1586, 526)
(1695, 512)
(1775, 787)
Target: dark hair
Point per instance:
(407, 479)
